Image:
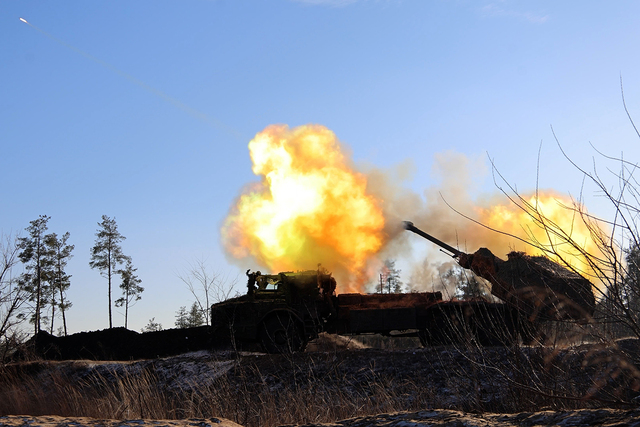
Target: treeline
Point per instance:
(38, 294)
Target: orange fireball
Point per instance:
(310, 207)
(547, 221)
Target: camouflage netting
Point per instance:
(540, 287)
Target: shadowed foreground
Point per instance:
(411, 387)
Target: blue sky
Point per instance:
(395, 80)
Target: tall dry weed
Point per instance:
(42, 389)
(328, 386)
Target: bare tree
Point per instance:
(206, 286)
(12, 295)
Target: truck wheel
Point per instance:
(281, 334)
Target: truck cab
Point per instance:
(281, 311)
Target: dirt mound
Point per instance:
(116, 344)
(124, 344)
(330, 342)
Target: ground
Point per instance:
(444, 418)
(338, 383)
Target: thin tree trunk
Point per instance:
(126, 309)
(64, 319)
(53, 308)
(53, 314)
(110, 323)
(38, 290)
(109, 274)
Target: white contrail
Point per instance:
(176, 102)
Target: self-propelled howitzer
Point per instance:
(536, 286)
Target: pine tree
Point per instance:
(106, 254)
(390, 277)
(189, 319)
(131, 289)
(37, 259)
(181, 318)
(152, 326)
(59, 280)
(468, 287)
(196, 318)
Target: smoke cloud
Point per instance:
(314, 206)
(457, 176)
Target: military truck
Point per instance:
(284, 311)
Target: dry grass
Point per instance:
(99, 397)
(263, 390)
(139, 395)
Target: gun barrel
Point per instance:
(408, 225)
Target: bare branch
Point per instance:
(12, 295)
(624, 104)
(207, 287)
